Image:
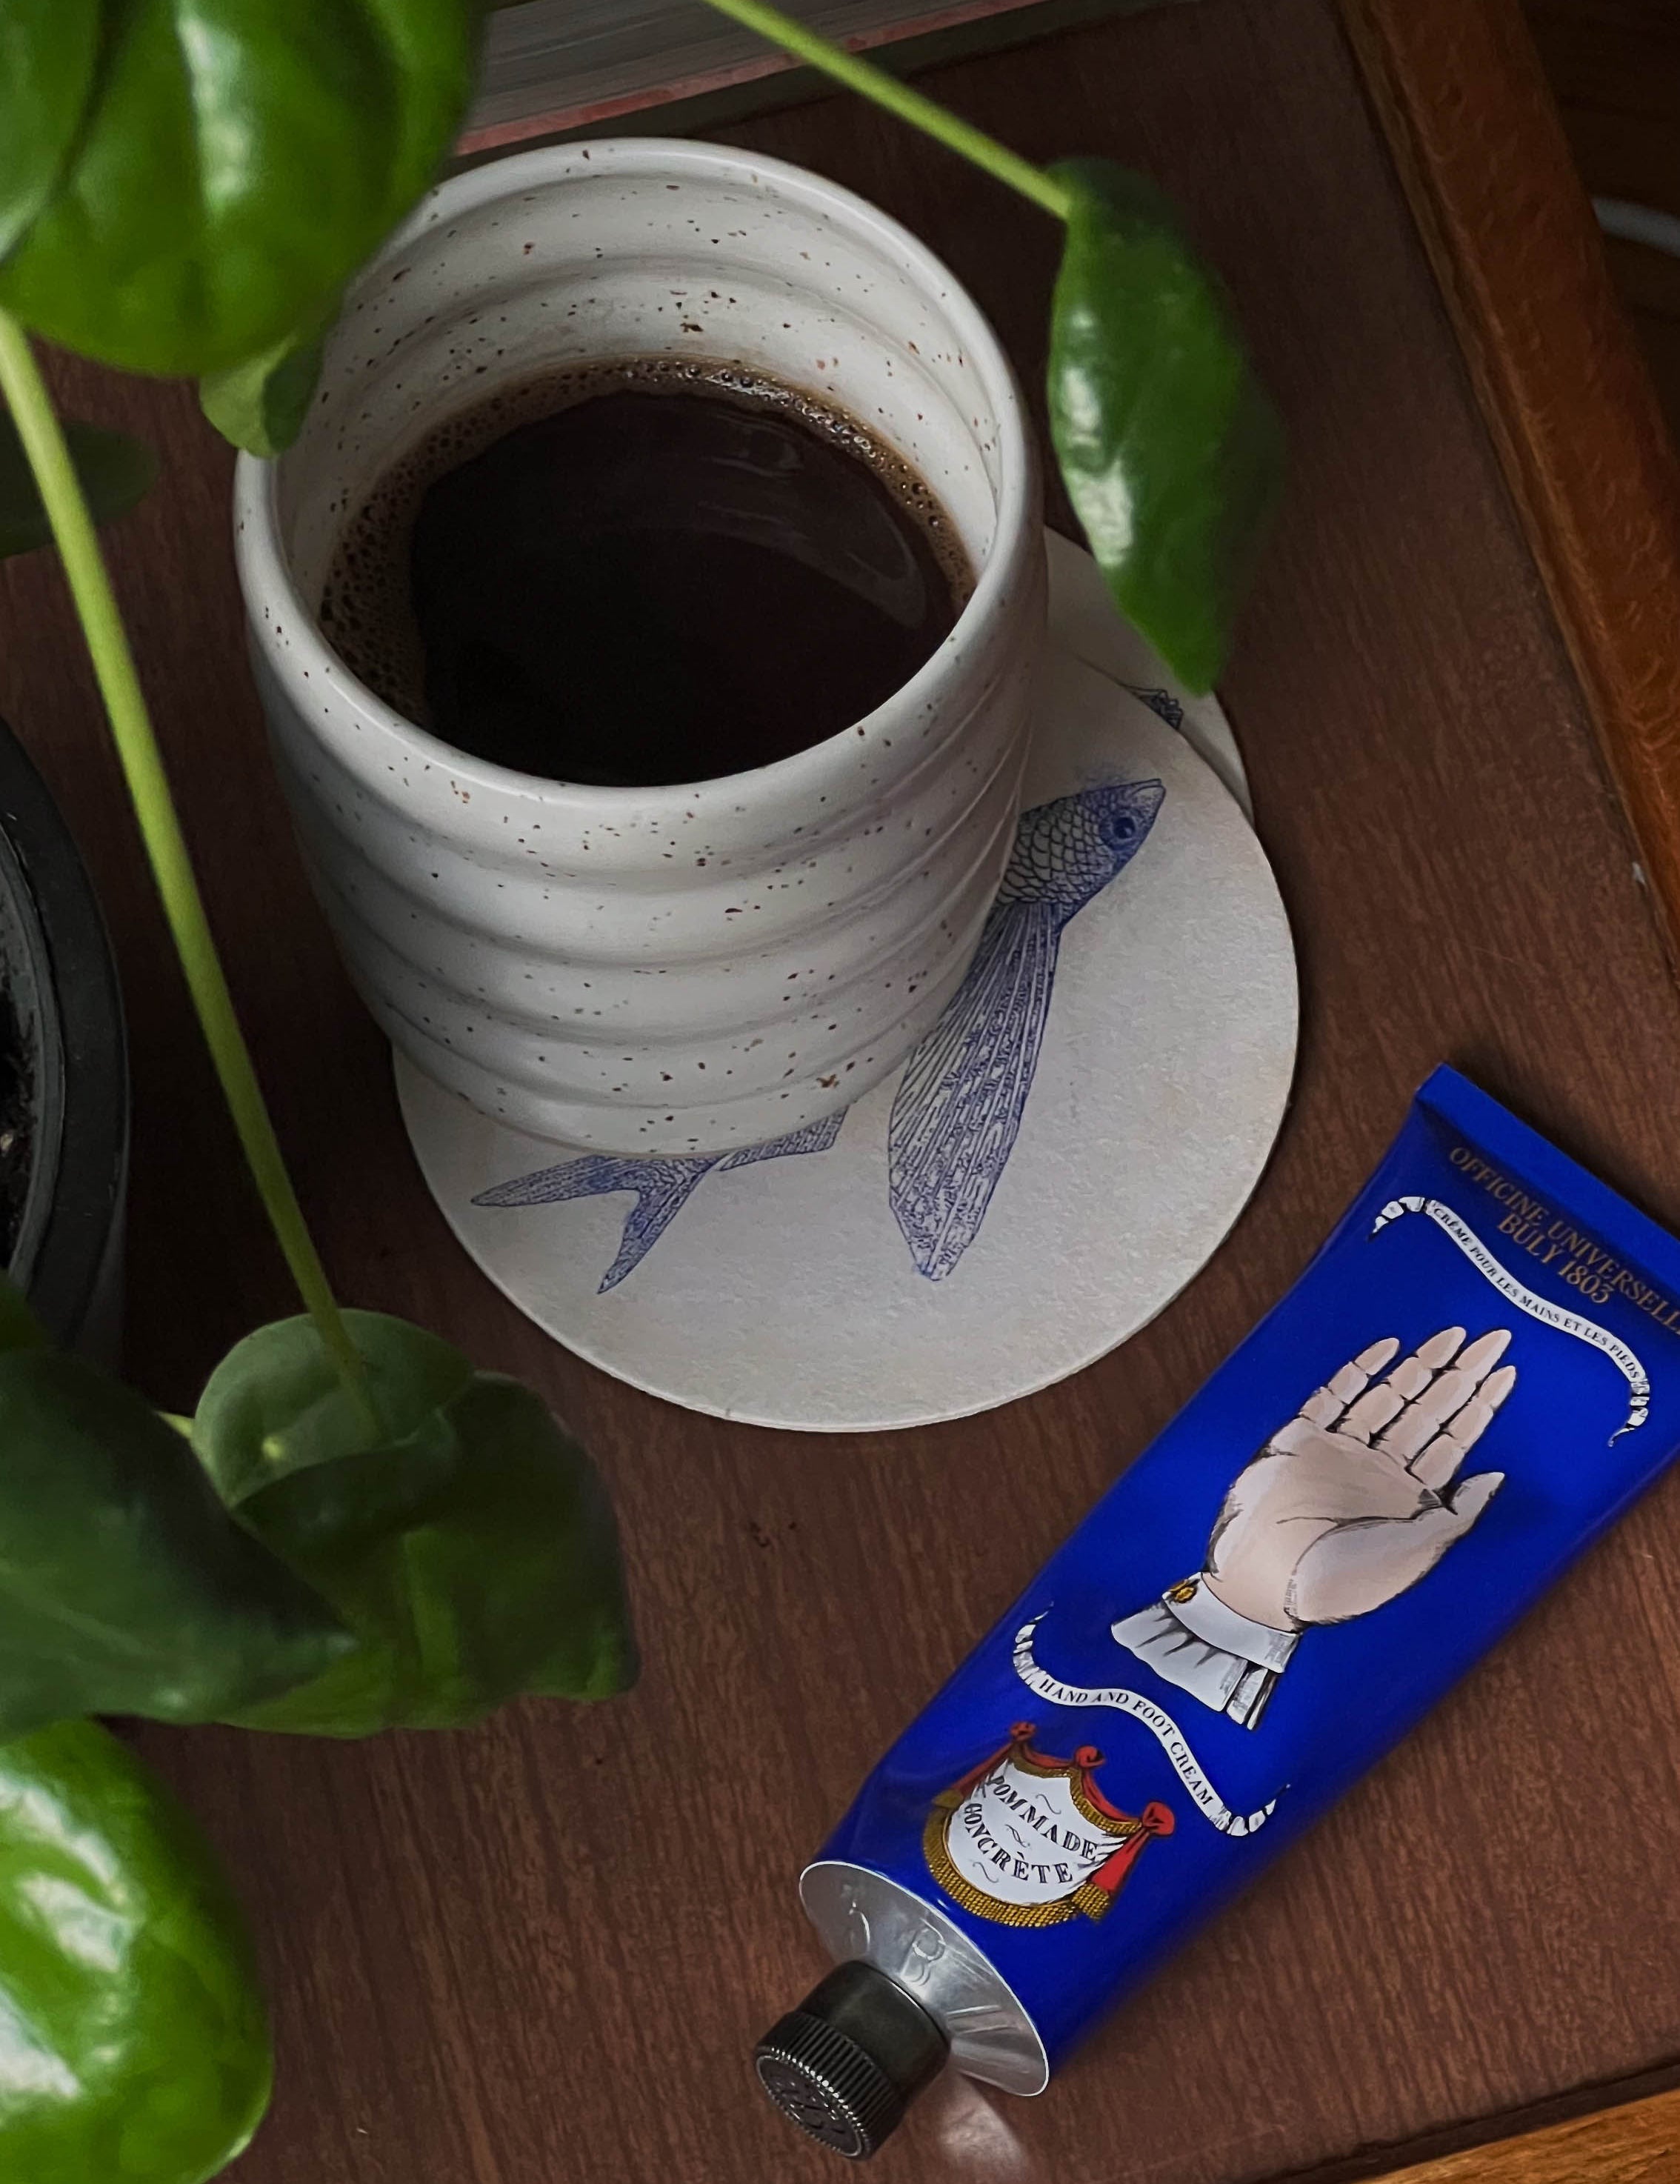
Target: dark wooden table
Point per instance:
(542, 1950)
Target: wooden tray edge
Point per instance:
(1618, 2146)
(1460, 93)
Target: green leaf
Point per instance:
(1169, 448)
(125, 1587)
(235, 162)
(134, 2043)
(49, 50)
(261, 405)
(472, 1550)
(115, 473)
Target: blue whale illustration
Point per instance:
(958, 1109)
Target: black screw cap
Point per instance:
(846, 2064)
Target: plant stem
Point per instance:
(143, 765)
(887, 90)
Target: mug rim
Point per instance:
(265, 576)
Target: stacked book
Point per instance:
(554, 66)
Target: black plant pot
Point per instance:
(64, 1074)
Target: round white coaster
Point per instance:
(1060, 1155)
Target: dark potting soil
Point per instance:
(17, 1124)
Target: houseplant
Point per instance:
(186, 189)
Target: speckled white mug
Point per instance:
(717, 963)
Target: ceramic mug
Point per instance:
(717, 963)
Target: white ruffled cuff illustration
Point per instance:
(1194, 1641)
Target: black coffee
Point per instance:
(644, 573)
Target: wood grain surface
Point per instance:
(1637, 2144)
(1571, 405)
(540, 1951)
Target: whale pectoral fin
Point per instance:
(959, 1106)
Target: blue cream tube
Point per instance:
(1474, 1378)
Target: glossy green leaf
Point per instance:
(124, 1586)
(472, 1550)
(261, 405)
(48, 53)
(115, 472)
(134, 2044)
(236, 161)
(1168, 446)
